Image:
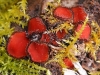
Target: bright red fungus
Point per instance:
(39, 52)
(61, 34)
(45, 38)
(16, 46)
(68, 63)
(36, 25)
(63, 13)
(79, 14)
(85, 33)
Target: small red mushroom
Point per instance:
(68, 63)
(63, 13)
(85, 33)
(49, 38)
(39, 52)
(36, 25)
(79, 14)
(17, 43)
(45, 38)
(61, 34)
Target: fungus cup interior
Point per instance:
(39, 52)
(17, 43)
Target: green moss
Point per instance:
(95, 73)
(12, 66)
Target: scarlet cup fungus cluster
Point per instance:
(22, 44)
(34, 42)
(77, 16)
